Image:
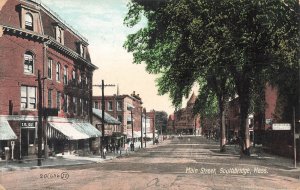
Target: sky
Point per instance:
(101, 22)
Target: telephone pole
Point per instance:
(40, 114)
(103, 110)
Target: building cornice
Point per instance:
(49, 40)
(24, 33)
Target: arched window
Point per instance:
(57, 71)
(28, 21)
(28, 62)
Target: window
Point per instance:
(79, 79)
(65, 75)
(96, 105)
(57, 71)
(120, 118)
(28, 97)
(81, 105)
(28, 21)
(73, 75)
(50, 68)
(82, 52)
(28, 62)
(49, 98)
(109, 105)
(59, 35)
(74, 104)
(58, 100)
(66, 103)
(119, 105)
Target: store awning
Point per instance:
(68, 130)
(87, 129)
(108, 119)
(6, 133)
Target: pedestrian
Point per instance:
(104, 153)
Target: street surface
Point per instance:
(188, 163)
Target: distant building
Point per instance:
(112, 129)
(183, 121)
(119, 107)
(32, 38)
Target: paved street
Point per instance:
(188, 163)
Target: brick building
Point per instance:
(33, 38)
(119, 106)
(183, 120)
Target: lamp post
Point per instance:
(145, 113)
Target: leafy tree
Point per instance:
(161, 120)
(231, 45)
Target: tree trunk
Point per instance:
(244, 127)
(222, 126)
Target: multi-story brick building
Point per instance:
(119, 106)
(33, 38)
(183, 120)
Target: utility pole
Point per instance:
(153, 121)
(145, 127)
(103, 116)
(294, 135)
(142, 127)
(40, 109)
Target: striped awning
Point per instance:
(68, 130)
(87, 129)
(6, 133)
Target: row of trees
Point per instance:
(228, 47)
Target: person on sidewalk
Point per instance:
(104, 153)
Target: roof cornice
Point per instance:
(44, 38)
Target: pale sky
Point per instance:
(101, 22)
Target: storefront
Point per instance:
(7, 139)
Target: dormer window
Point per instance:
(82, 50)
(28, 21)
(59, 33)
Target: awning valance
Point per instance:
(6, 133)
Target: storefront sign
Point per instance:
(281, 126)
(27, 124)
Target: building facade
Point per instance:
(119, 107)
(183, 121)
(33, 39)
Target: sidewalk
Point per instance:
(65, 160)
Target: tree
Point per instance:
(233, 45)
(161, 120)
